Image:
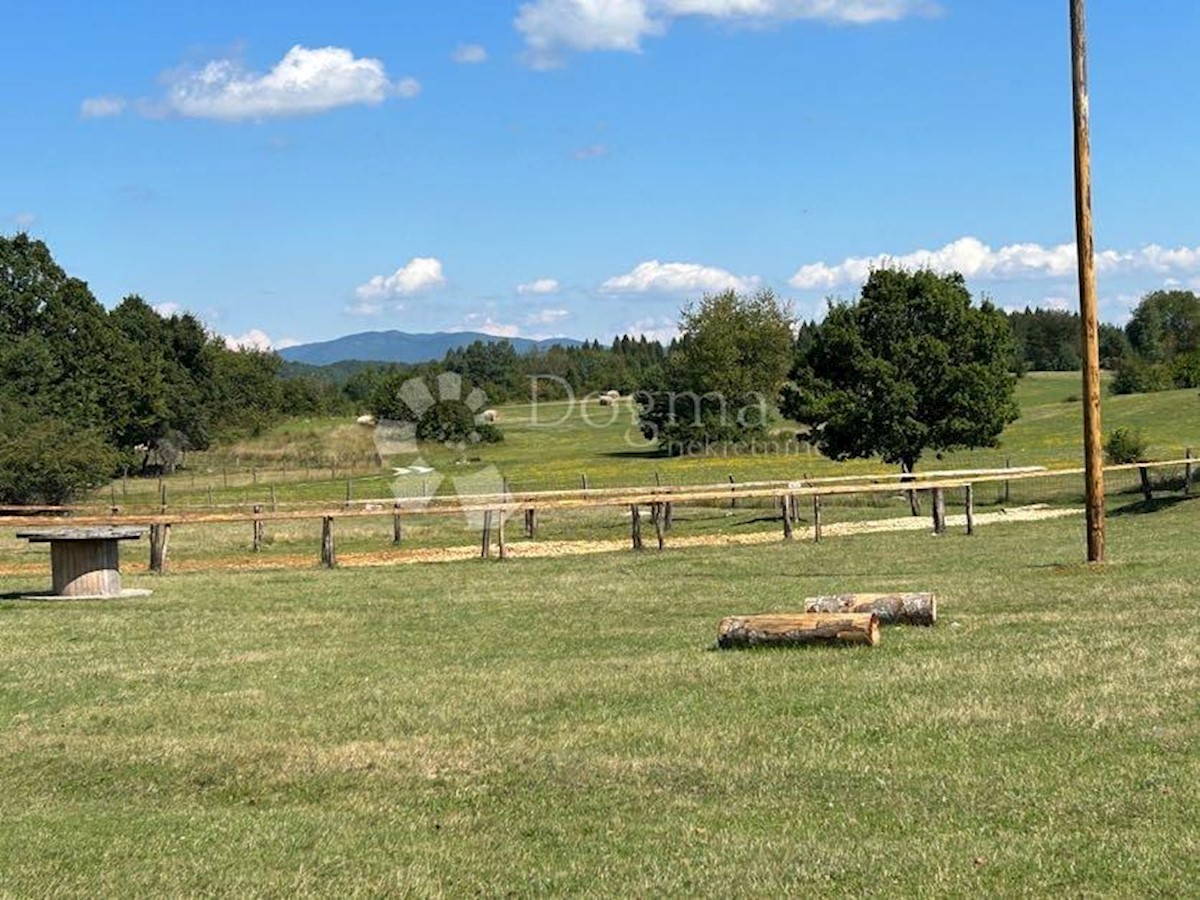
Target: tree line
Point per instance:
(86, 392)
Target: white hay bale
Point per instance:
(490, 416)
(606, 400)
(366, 421)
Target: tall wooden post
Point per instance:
(258, 528)
(397, 525)
(817, 518)
(1093, 452)
(1187, 473)
(160, 538)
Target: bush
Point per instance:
(452, 422)
(50, 463)
(1134, 376)
(1126, 445)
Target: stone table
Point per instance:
(85, 562)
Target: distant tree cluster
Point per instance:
(83, 389)
(1051, 340)
(1163, 349)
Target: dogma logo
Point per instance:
(416, 482)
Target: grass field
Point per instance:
(560, 726)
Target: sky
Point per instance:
(292, 172)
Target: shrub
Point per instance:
(1126, 445)
(452, 422)
(1134, 376)
(51, 463)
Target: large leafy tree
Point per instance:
(722, 374)
(912, 366)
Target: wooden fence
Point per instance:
(659, 501)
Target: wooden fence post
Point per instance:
(732, 489)
(162, 495)
(817, 518)
(939, 511)
(1187, 473)
(1007, 484)
(1147, 490)
(210, 497)
(160, 537)
(584, 480)
(274, 501)
(328, 554)
(258, 528)
(635, 526)
(500, 534)
(485, 542)
(970, 503)
(347, 493)
(785, 504)
(397, 525)
(656, 516)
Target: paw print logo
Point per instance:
(416, 481)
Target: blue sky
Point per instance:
(293, 172)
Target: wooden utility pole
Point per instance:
(1093, 452)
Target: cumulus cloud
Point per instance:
(539, 287)
(306, 81)
(661, 329)
(547, 316)
(254, 339)
(470, 54)
(553, 28)
(420, 274)
(484, 323)
(975, 259)
(166, 310)
(101, 107)
(25, 220)
(654, 277)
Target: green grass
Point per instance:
(560, 727)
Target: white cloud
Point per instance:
(975, 259)
(24, 220)
(100, 107)
(552, 28)
(547, 316)
(304, 82)
(541, 286)
(470, 54)
(365, 308)
(421, 274)
(594, 151)
(484, 323)
(166, 310)
(661, 329)
(254, 339)
(677, 278)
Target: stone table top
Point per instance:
(101, 533)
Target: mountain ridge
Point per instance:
(405, 347)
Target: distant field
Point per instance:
(559, 726)
(551, 446)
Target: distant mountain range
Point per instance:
(401, 347)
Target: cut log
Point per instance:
(892, 609)
(787, 629)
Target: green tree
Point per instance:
(49, 461)
(912, 366)
(722, 377)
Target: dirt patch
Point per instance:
(542, 549)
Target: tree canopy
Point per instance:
(723, 375)
(911, 366)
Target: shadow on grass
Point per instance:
(1146, 507)
(648, 453)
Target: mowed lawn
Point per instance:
(560, 726)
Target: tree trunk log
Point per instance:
(635, 526)
(892, 609)
(788, 629)
(969, 500)
(785, 504)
